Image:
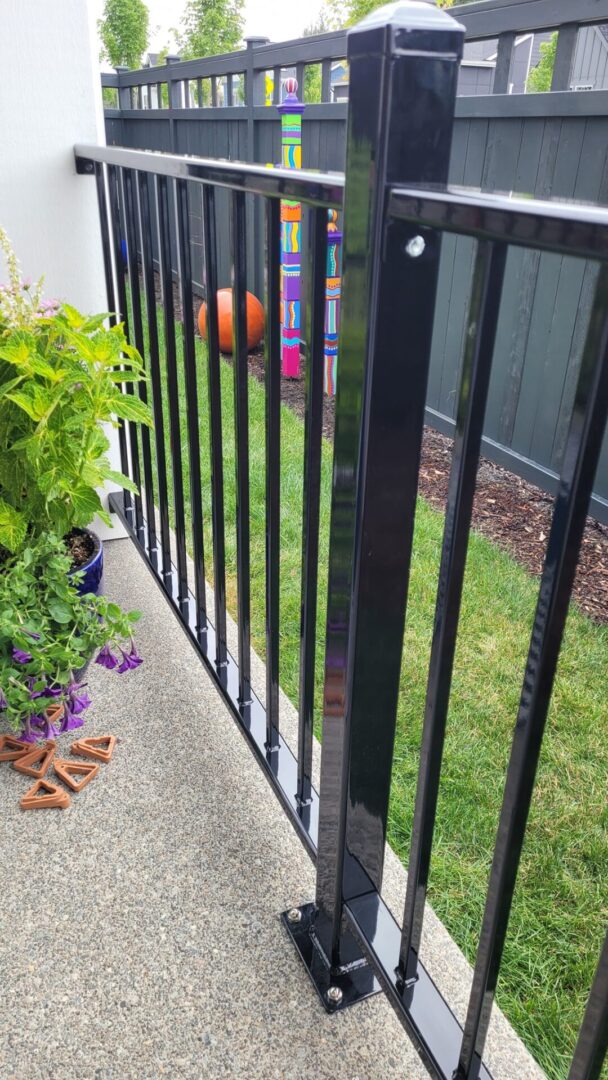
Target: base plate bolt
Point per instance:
(415, 247)
(335, 995)
(295, 915)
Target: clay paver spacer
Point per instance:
(27, 764)
(66, 771)
(11, 748)
(93, 747)
(54, 797)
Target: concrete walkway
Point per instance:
(139, 931)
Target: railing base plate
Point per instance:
(336, 988)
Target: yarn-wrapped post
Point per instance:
(290, 111)
(332, 302)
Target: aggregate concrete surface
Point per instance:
(139, 929)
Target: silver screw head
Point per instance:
(295, 915)
(335, 995)
(415, 247)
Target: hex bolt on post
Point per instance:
(294, 915)
(415, 247)
(334, 995)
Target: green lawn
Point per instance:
(560, 910)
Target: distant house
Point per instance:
(589, 68)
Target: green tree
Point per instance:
(539, 79)
(311, 92)
(209, 27)
(340, 13)
(124, 32)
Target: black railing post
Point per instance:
(400, 132)
(255, 94)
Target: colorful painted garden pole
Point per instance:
(332, 302)
(291, 231)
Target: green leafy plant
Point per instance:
(48, 631)
(60, 378)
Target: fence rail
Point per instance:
(503, 20)
(396, 208)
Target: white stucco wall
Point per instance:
(50, 99)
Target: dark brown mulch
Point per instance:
(508, 510)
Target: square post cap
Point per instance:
(407, 26)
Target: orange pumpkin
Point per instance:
(255, 320)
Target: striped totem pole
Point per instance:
(291, 233)
(332, 302)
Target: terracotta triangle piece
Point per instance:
(11, 748)
(100, 747)
(68, 770)
(53, 796)
(42, 754)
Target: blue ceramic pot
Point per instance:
(92, 582)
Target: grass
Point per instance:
(560, 909)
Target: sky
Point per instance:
(278, 20)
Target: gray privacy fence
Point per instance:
(547, 145)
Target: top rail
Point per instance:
(489, 18)
(316, 189)
(577, 229)
(482, 20)
(567, 228)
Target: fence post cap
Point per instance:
(252, 40)
(173, 59)
(405, 17)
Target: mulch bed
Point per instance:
(513, 513)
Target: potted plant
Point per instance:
(60, 379)
(48, 632)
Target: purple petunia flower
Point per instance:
(69, 723)
(21, 656)
(78, 702)
(32, 634)
(37, 727)
(48, 692)
(73, 707)
(46, 729)
(3, 701)
(130, 660)
(106, 658)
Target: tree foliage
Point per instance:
(340, 13)
(539, 79)
(209, 27)
(124, 32)
(311, 91)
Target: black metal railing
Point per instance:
(396, 207)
